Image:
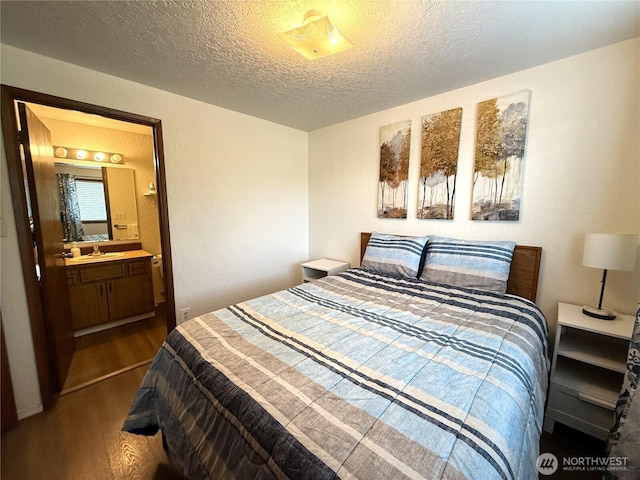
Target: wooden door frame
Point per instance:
(8, 96)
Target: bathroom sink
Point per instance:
(91, 258)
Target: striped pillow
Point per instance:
(466, 263)
(393, 255)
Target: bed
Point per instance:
(365, 374)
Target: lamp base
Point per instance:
(600, 313)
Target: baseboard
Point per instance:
(28, 412)
(107, 326)
(105, 377)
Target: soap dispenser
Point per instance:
(75, 250)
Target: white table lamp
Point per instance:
(608, 252)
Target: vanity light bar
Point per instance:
(90, 155)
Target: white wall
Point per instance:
(581, 174)
(237, 191)
(245, 209)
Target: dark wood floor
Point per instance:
(101, 354)
(80, 438)
(567, 442)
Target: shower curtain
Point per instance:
(69, 208)
(624, 439)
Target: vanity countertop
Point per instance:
(85, 260)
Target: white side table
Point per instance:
(322, 268)
(587, 371)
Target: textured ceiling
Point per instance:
(227, 53)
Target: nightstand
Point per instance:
(587, 370)
(321, 268)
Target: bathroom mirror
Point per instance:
(98, 204)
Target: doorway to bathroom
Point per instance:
(67, 356)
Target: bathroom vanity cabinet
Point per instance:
(105, 291)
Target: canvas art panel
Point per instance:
(439, 164)
(501, 133)
(395, 143)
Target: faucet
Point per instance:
(96, 250)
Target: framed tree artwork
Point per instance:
(439, 164)
(499, 158)
(395, 143)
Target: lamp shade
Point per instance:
(316, 38)
(610, 252)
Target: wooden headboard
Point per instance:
(525, 268)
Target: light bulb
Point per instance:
(99, 156)
(331, 35)
(81, 154)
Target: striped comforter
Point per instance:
(353, 376)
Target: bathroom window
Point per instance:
(91, 200)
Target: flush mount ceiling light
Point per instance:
(316, 38)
